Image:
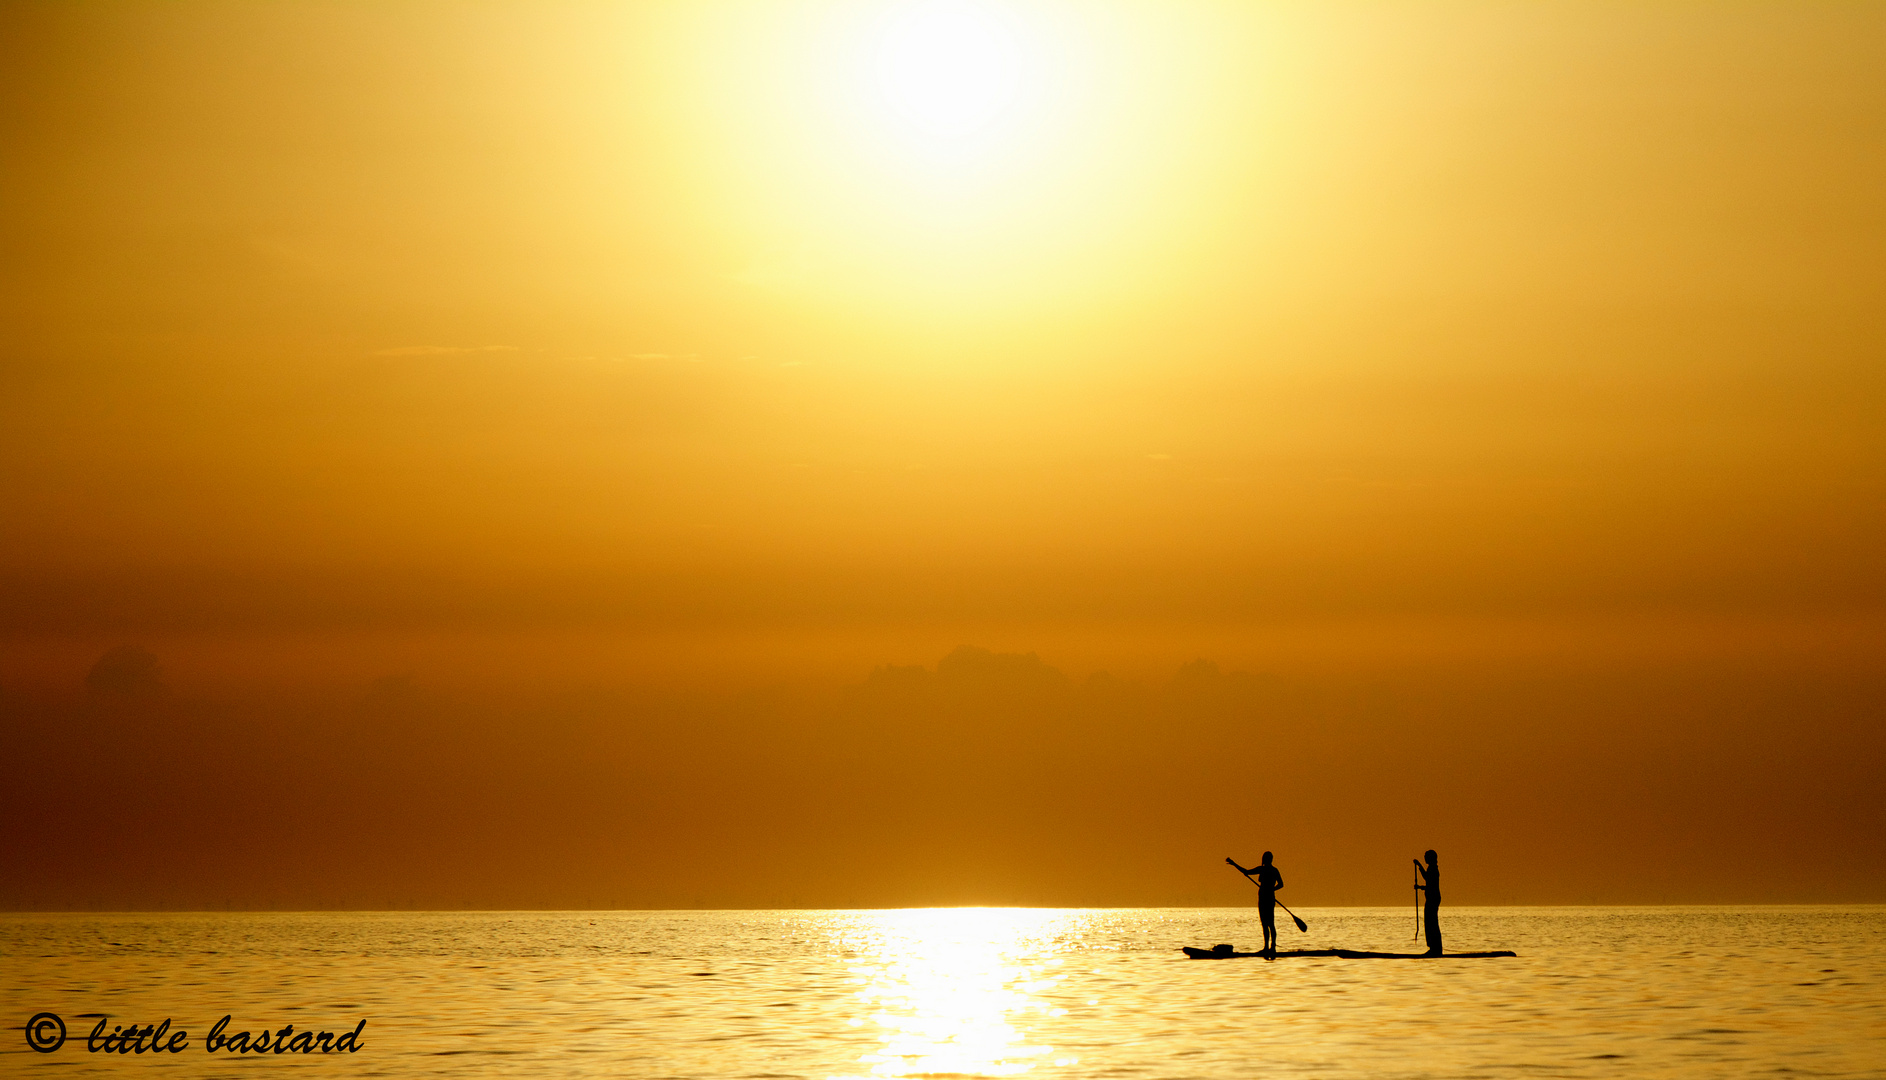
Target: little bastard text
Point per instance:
(287, 1041)
(45, 1033)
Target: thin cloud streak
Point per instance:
(444, 350)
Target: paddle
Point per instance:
(1301, 925)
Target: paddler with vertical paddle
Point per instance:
(1268, 881)
(1430, 890)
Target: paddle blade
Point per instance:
(1301, 925)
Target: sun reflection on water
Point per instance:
(951, 988)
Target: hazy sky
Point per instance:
(1492, 391)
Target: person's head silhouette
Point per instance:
(1267, 858)
(1432, 857)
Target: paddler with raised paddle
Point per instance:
(1268, 880)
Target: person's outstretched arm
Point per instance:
(1241, 870)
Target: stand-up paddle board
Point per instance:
(1226, 953)
(1351, 954)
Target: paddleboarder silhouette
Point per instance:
(1431, 908)
(1268, 882)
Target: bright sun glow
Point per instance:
(924, 159)
(955, 89)
(949, 70)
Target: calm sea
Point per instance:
(1600, 992)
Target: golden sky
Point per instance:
(1493, 391)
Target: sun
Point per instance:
(948, 71)
(914, 160)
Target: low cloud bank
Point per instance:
(989, 778)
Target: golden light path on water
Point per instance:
(951, 989)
